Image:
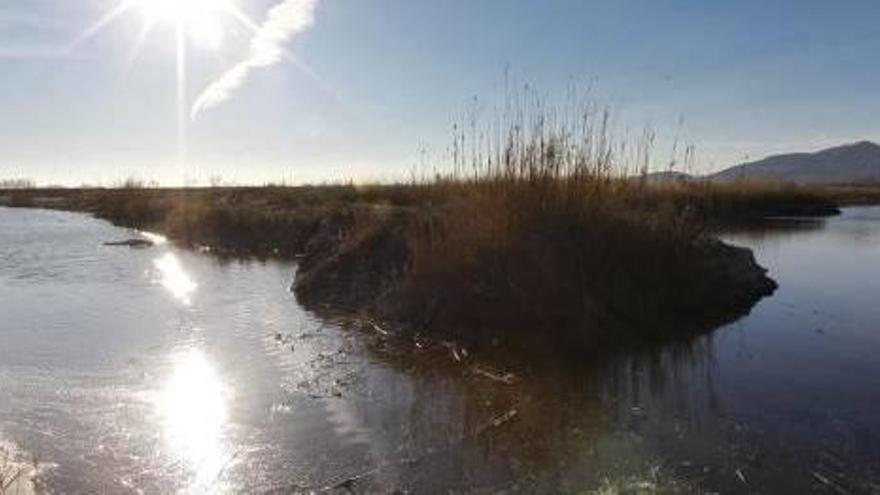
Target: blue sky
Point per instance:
(387, 78)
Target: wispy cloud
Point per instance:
(284, 21)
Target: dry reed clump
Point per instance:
(139, 208)
(548, 237)
(229, 225)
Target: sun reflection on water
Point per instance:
(174, 278)
(153, 237)
(192, 405)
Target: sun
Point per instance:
(182, 11)
(199, 21)
(198, 18)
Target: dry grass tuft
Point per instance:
(549, 234)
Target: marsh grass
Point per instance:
(548, 229)
(552, 229)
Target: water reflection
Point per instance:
(192, 405)
(156, 239)
(783, 401)
(174, 278)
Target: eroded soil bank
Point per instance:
(522, 300)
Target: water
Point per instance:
(163, 370)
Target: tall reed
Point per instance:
(553, 226)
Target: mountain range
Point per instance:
(851, 163)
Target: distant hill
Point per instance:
(857, 162)
(668, 176)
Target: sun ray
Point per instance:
(100, 24)
(185, 14)
(136, 48)
(242, 18)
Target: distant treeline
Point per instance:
(17, 184)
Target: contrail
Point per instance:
(283, 22)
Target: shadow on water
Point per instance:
(759, 230)
(655, 419)
(457, 425)
(608, 423)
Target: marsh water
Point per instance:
(164, 370)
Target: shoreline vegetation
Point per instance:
(580, 263)
(541, 242)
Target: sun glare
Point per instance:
(173, 277)
(199, 18)
(198, 21)
(182, 11)
(193, 409)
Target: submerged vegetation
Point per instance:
(550, 234)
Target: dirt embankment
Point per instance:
(362, 264)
